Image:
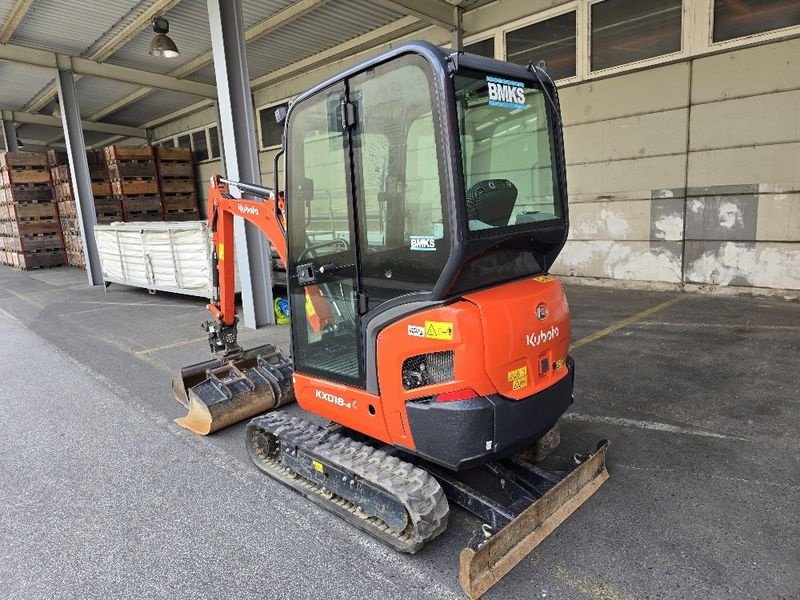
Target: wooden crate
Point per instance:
(141, 203)
(134, 187)
(27, 193)
(125, 153)
(37, 260)
(14, 160)
(21, 175)
(182, 215)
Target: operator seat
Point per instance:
(491, 201)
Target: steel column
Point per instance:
(79, 169)
(10, 134)
(457, 32)
(237, 129)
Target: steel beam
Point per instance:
(38, 119)
(9, 133)
(79, 169)
(237, 133)
(436, 12)
(83, 66)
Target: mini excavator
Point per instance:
(425, 202)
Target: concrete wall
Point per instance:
(680, 173)
(689, 172)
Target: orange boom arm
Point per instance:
(222, 208)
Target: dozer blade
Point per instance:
(223, 391)
(480, 569)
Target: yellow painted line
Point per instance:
(168, 346)
(160, 365)
(25, 298)
(625, 322)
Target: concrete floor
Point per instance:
(104, 496)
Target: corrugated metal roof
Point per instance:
(64, 27)
(329, 25)
(151, 107)
(95, 93)
(19, 82)
(6, 6)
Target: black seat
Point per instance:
(491, 201)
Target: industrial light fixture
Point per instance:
(162, 45)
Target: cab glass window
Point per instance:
(506, 152)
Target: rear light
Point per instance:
(465, 394)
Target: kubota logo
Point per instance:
(534, 339)
(248, 210)
(333, 399)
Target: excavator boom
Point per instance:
(235, 384)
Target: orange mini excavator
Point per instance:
(426, 200)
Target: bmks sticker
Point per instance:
(506, 93)
(423, 243)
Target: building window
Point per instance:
(213, 138)
(482, 48)
(184, 141)
(168, 143)
(271, 130)
(552, 40)
(624, 32)
(738, 18)
(200, 145)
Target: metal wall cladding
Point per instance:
(329, 25)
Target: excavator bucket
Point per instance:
(485, 565)
(223, 391)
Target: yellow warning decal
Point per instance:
(318, 466)
(221, 251)
(438, 330)
(543, 278)
(518, 378)
(310, 306)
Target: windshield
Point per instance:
(506, 152)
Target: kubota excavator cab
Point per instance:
(426, 197)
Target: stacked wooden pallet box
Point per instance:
(107, 208)
(29, 224)
(134, 182)
(177, 184)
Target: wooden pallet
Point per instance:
(126, 153)
(175, 202)
(14, 160)
(182, 215)
(28, 261)
(135, 187)
(139, 204)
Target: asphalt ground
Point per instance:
(103, 496)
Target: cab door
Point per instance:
(322, 241)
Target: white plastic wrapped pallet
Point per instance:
(165, 256)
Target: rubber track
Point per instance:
(415, 488)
